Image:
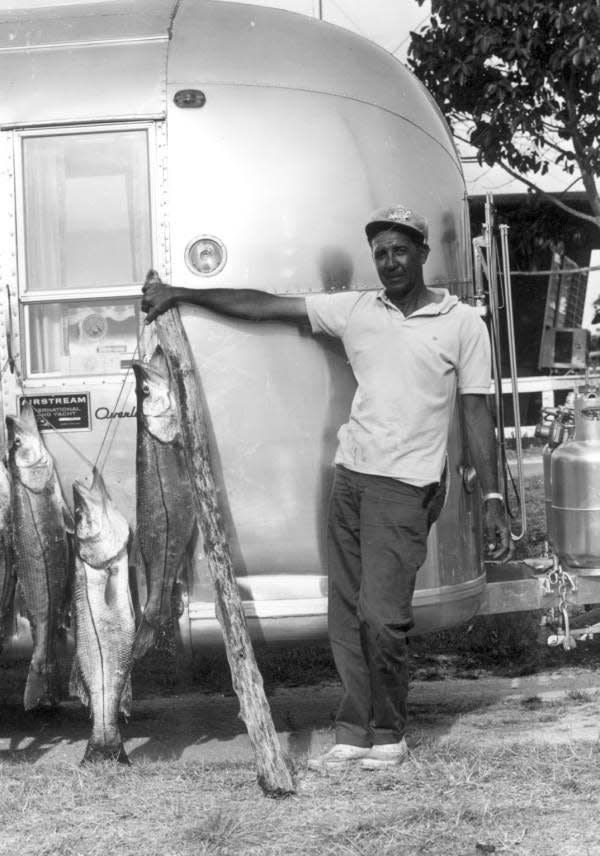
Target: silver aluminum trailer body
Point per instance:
(132, 130)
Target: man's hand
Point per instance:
(496, 531)
(158, 296)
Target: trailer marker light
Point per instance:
(187, 98)
(206, 255)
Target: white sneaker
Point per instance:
(340, 756)
(385, 755)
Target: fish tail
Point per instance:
(97, 752)
(158, 634)
(42, 688)
(144, 639)
(77, 687)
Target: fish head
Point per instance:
(101, 532)
(157, 405)
(28, 457)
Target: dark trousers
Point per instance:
(377, 541)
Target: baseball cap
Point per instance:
(399, 217)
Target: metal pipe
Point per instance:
(479, 268)
(492, 273)
(512, 358)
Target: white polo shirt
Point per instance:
(408, 370)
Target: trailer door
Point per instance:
(85, 238)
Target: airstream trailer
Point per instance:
(221, 144)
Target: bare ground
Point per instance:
(554, 707)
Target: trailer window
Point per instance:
(77, 337)
(87, 210)
(86, 228)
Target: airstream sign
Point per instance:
(60, 412)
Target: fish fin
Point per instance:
(68, 607)
(136, 568)
(68, 519)
(95, 753)
(126, 700)
(41, 688)
(111, 589)
(77, 687)
(67, 516)
(20, 605)
(185, 569)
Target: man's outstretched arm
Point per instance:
(245, 303)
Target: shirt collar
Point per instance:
(447, 302)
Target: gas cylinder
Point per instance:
(549, 448)
(575, 481)
(556, 427)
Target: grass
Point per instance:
(445, 801)
(532, 542)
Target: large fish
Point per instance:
(8, 576)
(104, 620)
(165, 517)
(41, 526)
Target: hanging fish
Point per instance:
(104, 620)
(8, 575)
(42, 523)
(165, 518)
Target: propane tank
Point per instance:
(556, 426)
(575, 486)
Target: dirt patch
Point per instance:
(547, 708)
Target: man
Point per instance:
(411, 348)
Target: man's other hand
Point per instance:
(496, 531)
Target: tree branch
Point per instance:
(557, 148)
(559, 204)
(587, 175)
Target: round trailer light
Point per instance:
(206, 255)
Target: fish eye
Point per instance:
(146, 388)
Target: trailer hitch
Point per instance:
(559, 583)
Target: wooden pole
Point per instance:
(273, 775)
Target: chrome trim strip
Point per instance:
(283, 607)
(449, 594)
(59, 46)
(65, 295)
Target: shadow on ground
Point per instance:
(481, 678)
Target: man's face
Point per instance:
(399, 261)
